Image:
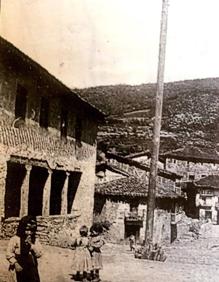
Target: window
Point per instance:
(191, 177)
(21, 102)
(78, 129)
(64, 123)
(44, 112)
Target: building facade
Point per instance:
(121, 199)
(192, 163)
(47, 143)
(123, 203)
(207, 198)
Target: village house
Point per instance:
(193, 164)
(207, 198)
(47, 146)
(121, 199)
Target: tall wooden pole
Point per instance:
(157, 127)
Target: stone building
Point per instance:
(192, 163)
(207, 198)
(121, 199)
(47, 145)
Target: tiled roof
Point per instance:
(132, 187)
(210, 181)
(193, 153)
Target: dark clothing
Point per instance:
(27, 260)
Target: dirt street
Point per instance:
(187, 261)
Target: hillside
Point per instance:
(190, 114)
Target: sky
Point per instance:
(105, 42)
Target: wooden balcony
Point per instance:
(133, 218)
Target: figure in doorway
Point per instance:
(132, 243)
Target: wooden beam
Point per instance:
(157, 127)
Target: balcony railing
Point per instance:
(206, 204)
(133, 218)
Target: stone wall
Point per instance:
(30, 141)
(186, 168)
(52, 230)
(84, 198)
(114, 212)
(37, 86)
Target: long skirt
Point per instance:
(26, 275)
(30, 269)
(96, 259)
(81, 260)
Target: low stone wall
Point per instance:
(53, 230)
(189, 229)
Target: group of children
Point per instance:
(24, 249)
(87, 260)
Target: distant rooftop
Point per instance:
(210, 181)
(195, 154)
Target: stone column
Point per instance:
(25, 192)
(64, 203)
(3, 175)
(46, 195)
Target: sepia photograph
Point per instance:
(109, 141)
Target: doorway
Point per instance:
(38, 177)
(58, 180)
(208, 215)
(15, 176)
(132, 230)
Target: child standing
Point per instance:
(96, 243)
(82, 260)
